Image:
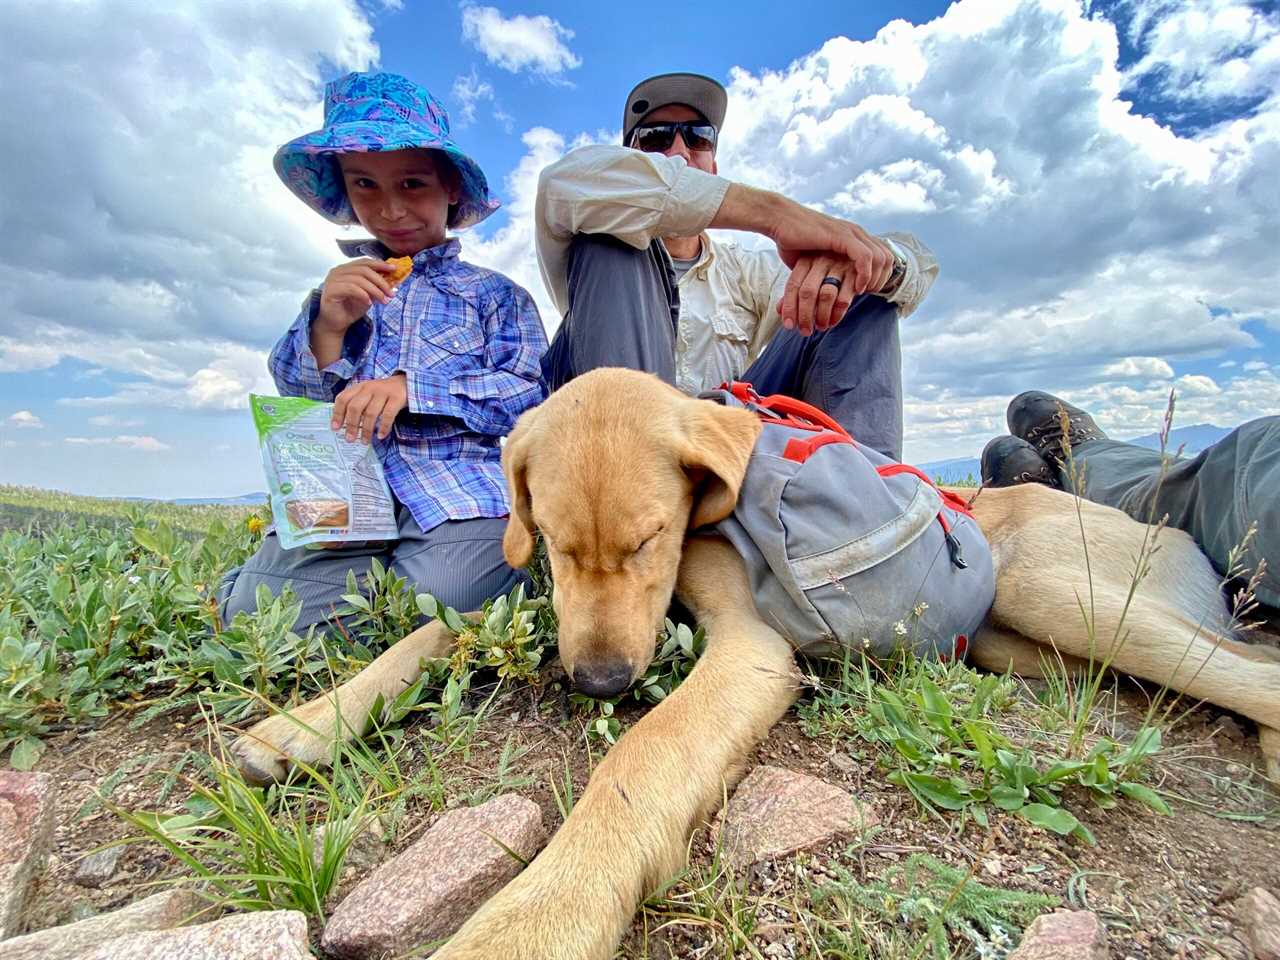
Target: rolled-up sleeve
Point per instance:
(630, 195)
(489, 400)
(922, 270)
(293, 366)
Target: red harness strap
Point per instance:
(805, 416)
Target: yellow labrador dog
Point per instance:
(615, 469)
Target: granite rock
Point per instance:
(776, 812)
(274, 934)
(428, 891)
(26, 835)
(161, 911)
(1064, 935)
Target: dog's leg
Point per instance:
(998, 650)
(630, 829)
(1269, 742)
(307, 733)
(1156, 642)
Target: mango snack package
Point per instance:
(322, 487)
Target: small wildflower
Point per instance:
(255, 524)
(866, 643)
(900, 628)
(919, 609)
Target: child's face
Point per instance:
(400, 196)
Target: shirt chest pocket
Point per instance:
(448, 348)
(730, 343)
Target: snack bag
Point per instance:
(323, 488)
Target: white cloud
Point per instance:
(1255, 365)
(223, 383)
(519, 43)
(144, 192)
(108, 420)
(468, 91)
(1198, 49)
(25, 419)
(1082, 244)
(144, 444)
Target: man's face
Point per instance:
(400, 196)
(702, 159)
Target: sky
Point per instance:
(1099, 180)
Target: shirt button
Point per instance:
(431, 403)
(455, 343)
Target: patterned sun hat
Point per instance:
(369, 113)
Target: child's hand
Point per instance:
(369, 403)
(350, 290)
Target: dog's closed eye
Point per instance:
(649, 539)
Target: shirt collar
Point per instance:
(427, 261)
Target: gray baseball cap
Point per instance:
(692, 89)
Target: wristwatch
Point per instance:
(899, 271)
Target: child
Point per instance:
(432, 371)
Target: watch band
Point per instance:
(899, 271)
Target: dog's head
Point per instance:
(614, 468)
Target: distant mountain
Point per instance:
(244, 500)
(1192, 439)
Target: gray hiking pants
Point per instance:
(1214, 496)
(459, 562)
(624, 308)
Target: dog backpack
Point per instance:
(848, 549)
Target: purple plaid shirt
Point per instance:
(469, 342)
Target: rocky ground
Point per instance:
(810, 832)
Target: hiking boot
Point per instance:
(1034, 417)
(1008, 461)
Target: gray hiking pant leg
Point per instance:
(623, 311)
(459, 562)
(1214, 496)
(852, 371)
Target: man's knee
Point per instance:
(591, 251)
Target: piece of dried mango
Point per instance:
(404, 267)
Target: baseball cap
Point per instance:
(693, 89)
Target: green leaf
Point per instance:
(939, 792)
(146, 539)
(1008, 797)
(1056, 819)
(25, 753)
(1146, 795)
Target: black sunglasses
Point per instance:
(657, 137)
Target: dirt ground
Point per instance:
(1165, 886)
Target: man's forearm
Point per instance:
(749, 208)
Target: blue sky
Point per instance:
(1097, 179)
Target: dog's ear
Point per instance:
(716, 443)
(517, 541)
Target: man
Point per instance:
(624, 252)
(1215, 496)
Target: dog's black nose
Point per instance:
(602, 680)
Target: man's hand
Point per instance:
(369, 403)
(350, 290)
(809, 305)
(827, 246)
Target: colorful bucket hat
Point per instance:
(369, 113)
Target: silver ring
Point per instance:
(832, 281)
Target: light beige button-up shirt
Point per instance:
(729, 298)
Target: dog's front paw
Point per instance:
(305, 735)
